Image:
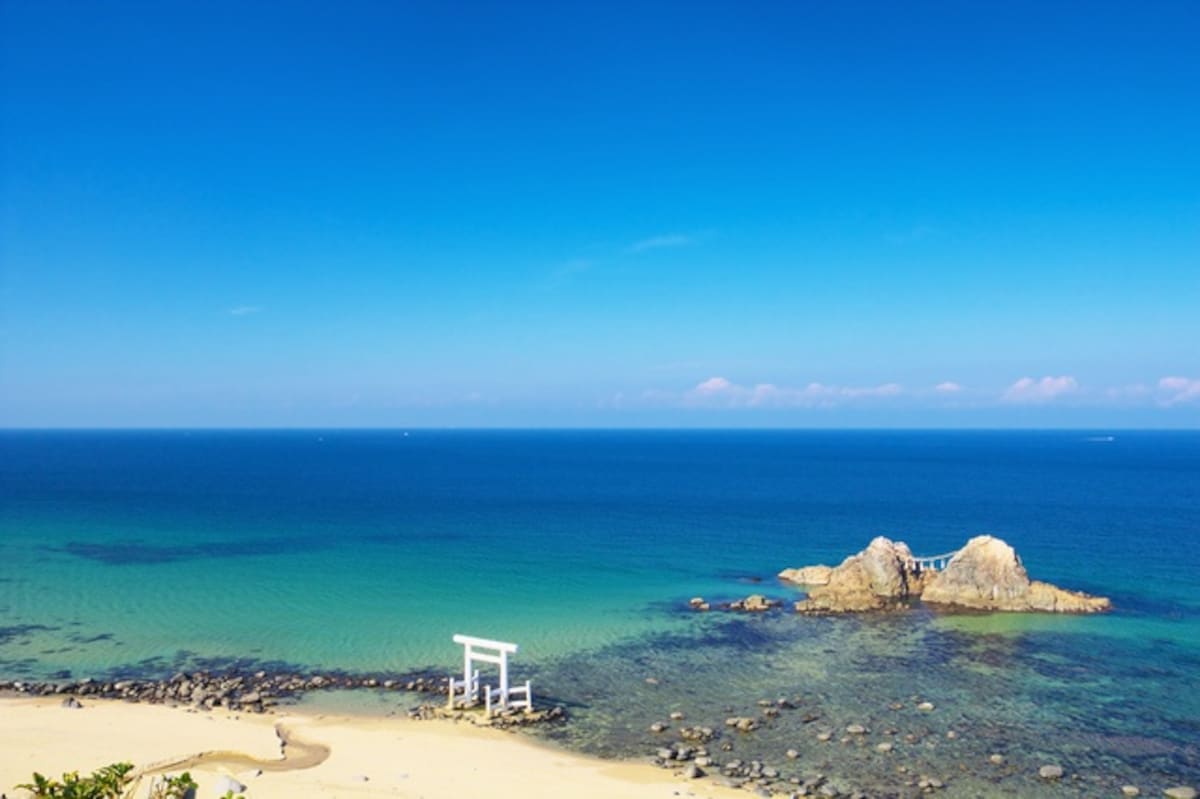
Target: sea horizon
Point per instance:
(1098, 429)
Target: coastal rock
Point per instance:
(879, 576)
(742, 723)
(807, 575)
(1050, 772)
(987, 574)
(755, 603)
(700, 734)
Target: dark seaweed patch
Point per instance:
(123, 553)
(185, 660)
(21, 631)
(127, 553)
(740, 577)
(19, 667)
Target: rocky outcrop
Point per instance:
(876, 578)
(987, 574)
(755, 603)
(809, 575)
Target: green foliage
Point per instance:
(180, 787)
(112, 782)
(109, 782)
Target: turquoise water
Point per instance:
(142, 553)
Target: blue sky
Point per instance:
(795, 214)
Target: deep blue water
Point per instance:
(144, 551)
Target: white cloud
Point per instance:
(659, 242)
(1029, 391)
(714, 386)
(1178, 390)
(719, 392)
(245, 310)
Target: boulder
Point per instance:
(987, 574)
(1050, 772)
(757, 603)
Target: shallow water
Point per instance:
(1031, 697)
(144, 553)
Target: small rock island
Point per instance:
(986, 574)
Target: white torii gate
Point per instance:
(496, 652)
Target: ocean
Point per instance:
(148, 552)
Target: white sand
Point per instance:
(397, 757)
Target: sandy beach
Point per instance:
(326, 755)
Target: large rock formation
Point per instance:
(987, 574)
(875, 578)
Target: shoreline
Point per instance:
(328, 755)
